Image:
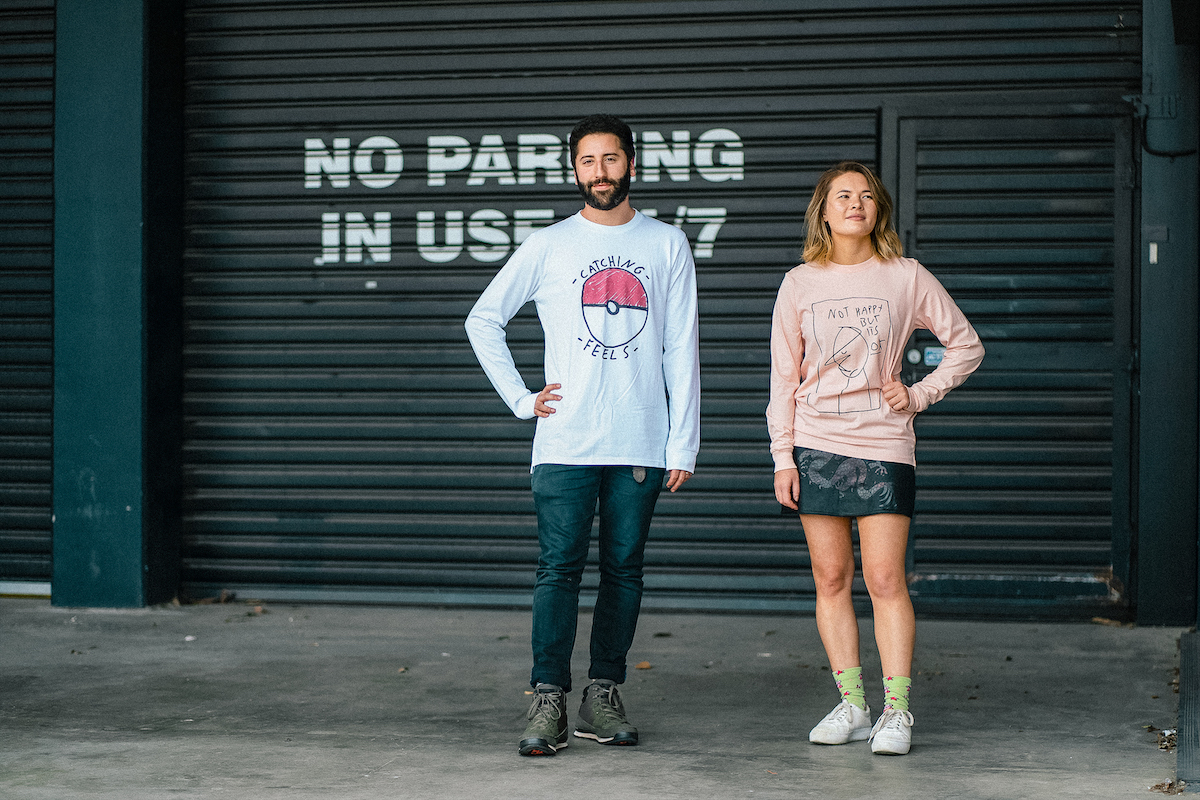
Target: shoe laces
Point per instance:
(892, 718)
(606, 702)
(843, 711)
(545, 705)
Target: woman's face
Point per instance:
(850, 207)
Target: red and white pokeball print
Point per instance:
(614, 306)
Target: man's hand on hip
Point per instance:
(545, 396)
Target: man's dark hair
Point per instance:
(603, 123)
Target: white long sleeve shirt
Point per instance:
(617, 305)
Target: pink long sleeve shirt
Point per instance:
(837, 336)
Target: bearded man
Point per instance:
(619, 414)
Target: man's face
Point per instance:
(602, 171)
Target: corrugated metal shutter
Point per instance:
(1018, 217)
(341, 441)
(26, 282)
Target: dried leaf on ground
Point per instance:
(1168, 787)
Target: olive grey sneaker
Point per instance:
(892, 734)
(602, 716)
(846, 723)
(546, 732)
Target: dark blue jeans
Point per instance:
(566, 498)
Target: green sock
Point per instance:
(850, 686)
(895, 692)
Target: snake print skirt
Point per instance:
(840, 486)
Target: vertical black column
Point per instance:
(1167, 398)
(118, 177)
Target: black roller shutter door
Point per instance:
(26, 281)
(1024, 479)
(341, 441)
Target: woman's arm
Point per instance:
(787, 353)
(937, 312)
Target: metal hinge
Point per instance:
(1156, 106)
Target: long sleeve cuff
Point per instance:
(682, 459)
(783, 459)
(523, 408)
(919, 398)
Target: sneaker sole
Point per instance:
(539, 747)
(626, 739)
(862, 734)
(898, 749)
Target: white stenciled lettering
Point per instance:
(491, 161)
(654, 153)
(484, 226)
(377, 240)
(364, 162)
(446, 154)
(331, 239)
(488, 234)
(319, 161)
(351, 236)
(716, 154)
(539, 151)
(427, 244)
(711, 220)
(730, 157)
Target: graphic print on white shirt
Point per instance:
(614, 306)
(851, 334)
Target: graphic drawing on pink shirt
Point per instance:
(851, 334)
(614, 306)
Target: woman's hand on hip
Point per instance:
(787, 488)
(896, 394)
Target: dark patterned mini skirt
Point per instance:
(840, 486)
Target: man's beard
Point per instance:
(618, 194)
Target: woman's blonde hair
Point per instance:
(818, 242)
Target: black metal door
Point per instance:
(1025, 217)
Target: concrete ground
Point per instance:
(245, 701)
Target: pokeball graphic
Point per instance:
(614, 306)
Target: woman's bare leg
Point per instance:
(883, 539)
(832, 555)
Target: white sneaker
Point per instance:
(892, 734)
(846, 723)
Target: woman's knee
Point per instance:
(886, 584)
(833, 579)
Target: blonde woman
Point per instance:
(841, 426)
